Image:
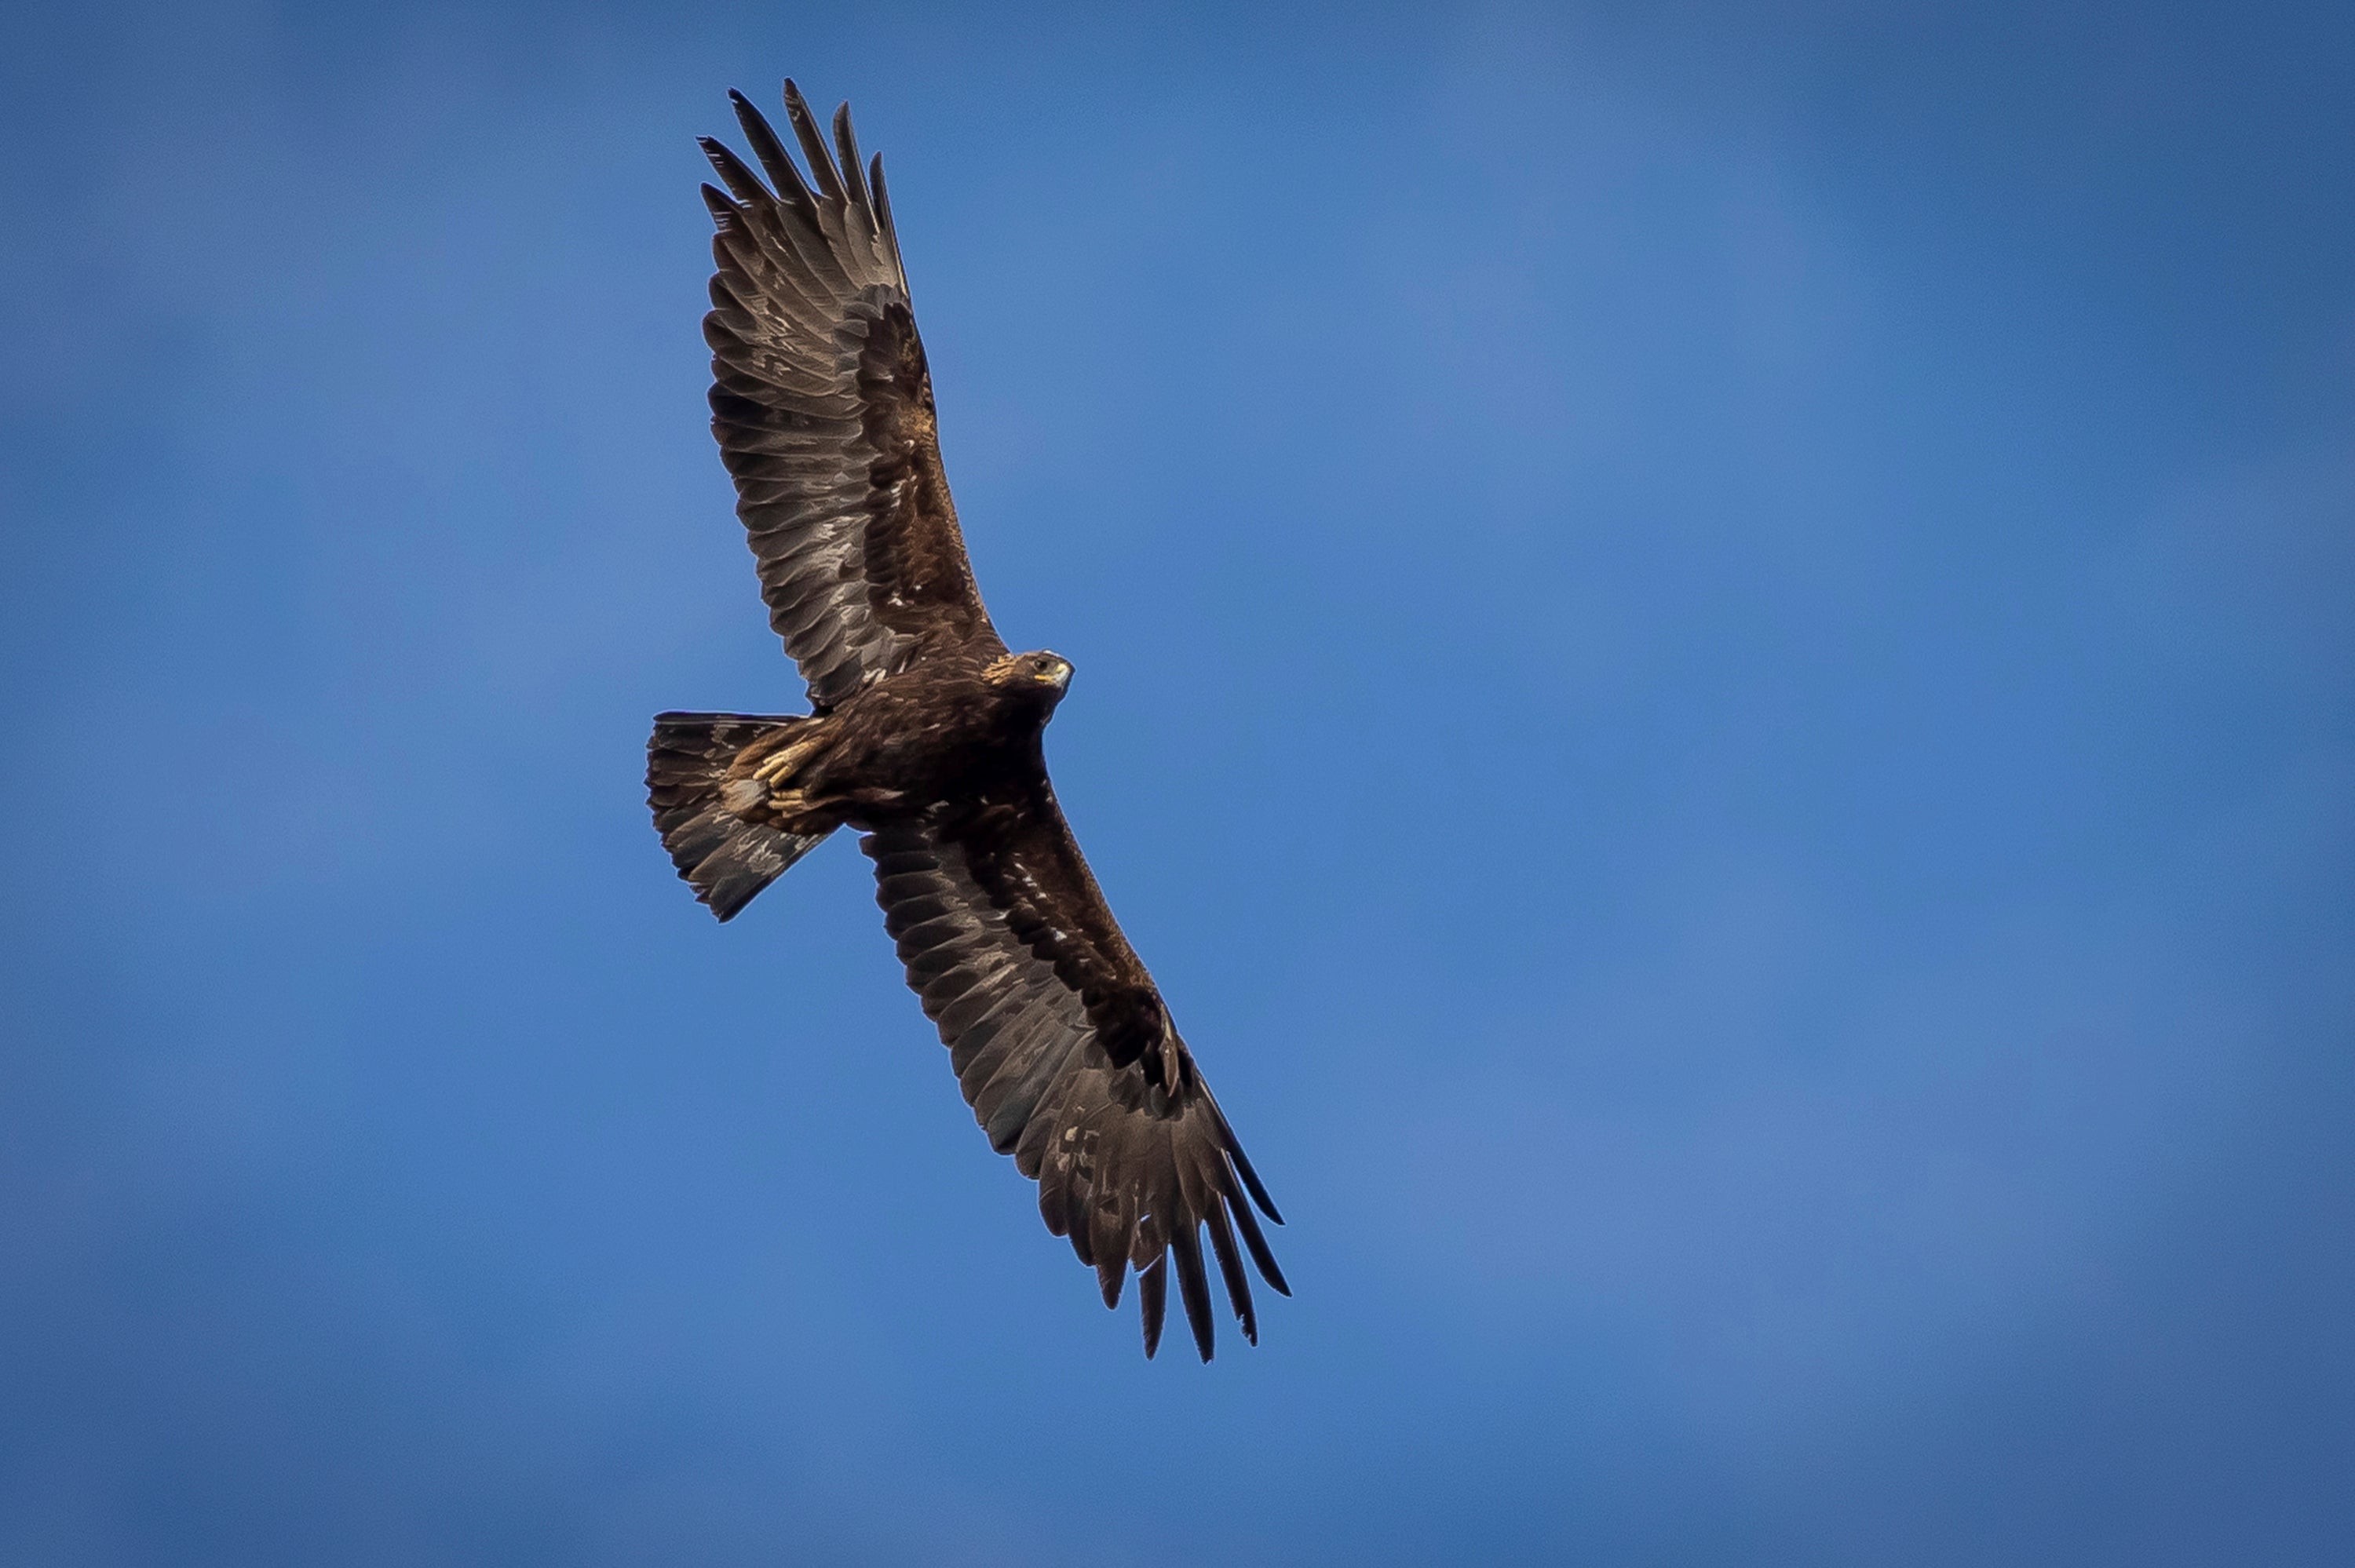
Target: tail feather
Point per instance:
(724, 858)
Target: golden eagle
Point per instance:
(926, 738)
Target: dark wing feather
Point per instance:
(823, 407)
(1066, 1053)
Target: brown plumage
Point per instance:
(926, 738)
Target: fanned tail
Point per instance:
(724, 858)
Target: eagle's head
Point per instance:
(1041, 678)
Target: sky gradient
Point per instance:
(1716, 666)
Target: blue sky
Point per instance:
(1715, 667)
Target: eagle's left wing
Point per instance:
(1066, 1053)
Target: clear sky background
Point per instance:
(1716, 666)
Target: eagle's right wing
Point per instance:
(823, 407)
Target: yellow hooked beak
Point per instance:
(1057, 674)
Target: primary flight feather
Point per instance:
(926, 736)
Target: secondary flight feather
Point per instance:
(926, 736)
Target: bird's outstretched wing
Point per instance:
(823, 407)
(1066, 1053)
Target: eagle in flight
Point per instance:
(926, 735)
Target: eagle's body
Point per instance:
(927, 738)
(944, 728)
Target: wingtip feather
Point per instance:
(1231, 1270)
(847, 143)
(813, 141)
(1111, 1273)
(763, 137)
(1153, 1302)
(1255, 1242)
(1194, 1287)
(739, 178)
(726, 215)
